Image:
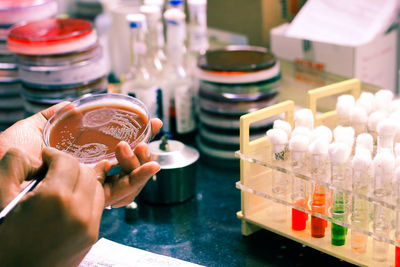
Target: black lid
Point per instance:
(237, 58)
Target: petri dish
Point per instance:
(63, 75)
(236, 58)
(12, 11)
(10, 88)
(54, 96)
(51, 36)
(91, 127)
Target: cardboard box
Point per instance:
(253, 18)
(374, 62)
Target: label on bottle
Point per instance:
(184, 108)
(152, 98)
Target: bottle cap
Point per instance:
(136, 20)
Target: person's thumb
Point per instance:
(15, 168)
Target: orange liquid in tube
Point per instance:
(92, 133)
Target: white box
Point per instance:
(374, 62)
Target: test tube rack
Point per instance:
(256, 170)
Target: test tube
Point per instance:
(321, 132)
(361, 164)
(366, 101)
(383, 165)
(320, 172)
(304, 118)
(298, 145)
(339, 154)
(386, 132)
(397, 232)
(383, 98)
(373, 120)
(365, 141)
(280, 180)
(343, 106)
(359, 119)
(283, 125)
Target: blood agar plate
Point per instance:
(51, 36)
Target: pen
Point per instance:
(10, 206)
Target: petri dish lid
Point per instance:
(236, 59)
(12, 11)
(51, 36)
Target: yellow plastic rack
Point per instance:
(256, 170)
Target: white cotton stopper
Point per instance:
(362, 160)
(383, 164)
(382, 99)
(299, 143)
(278, 139)
(318, 147)
(367, 96)
(365, 141)
(283, 125)
(304, 118)
(301, 131)
(344, 104)
(344, 135)
(394, 105)
(339, 152)
(386, 127)
(321, 132)
(358, 115)
(374, 118)
(365, 104)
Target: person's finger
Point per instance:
(142, 153)
(125, 201)
(14, 168)
(126, 158)
(47, 113)
(101, 169)
(130, 184)
(156, 125)
(63, 169)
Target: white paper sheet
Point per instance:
(343, 22)
(106, 253)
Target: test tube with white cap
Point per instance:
(373, 120)
(359, 119)
(339, 154)
(320, 173)
(361, 164)
(298, 145)
(386, 132)
(365, 141)
(283, 125)
(383, 165)
(280, 180)
(383, 98)
(344, 105)
(366, 101)
(344, 135)
(304, 118)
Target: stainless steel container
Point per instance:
(176, 181)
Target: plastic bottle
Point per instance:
(179, 85)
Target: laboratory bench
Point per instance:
(205, 230)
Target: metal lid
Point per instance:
(172, 154)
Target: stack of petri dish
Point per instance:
(233, 81)
(12, 12)
(59, 59)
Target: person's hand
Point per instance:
(56, 223)
(27, 134)
(137, 168)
